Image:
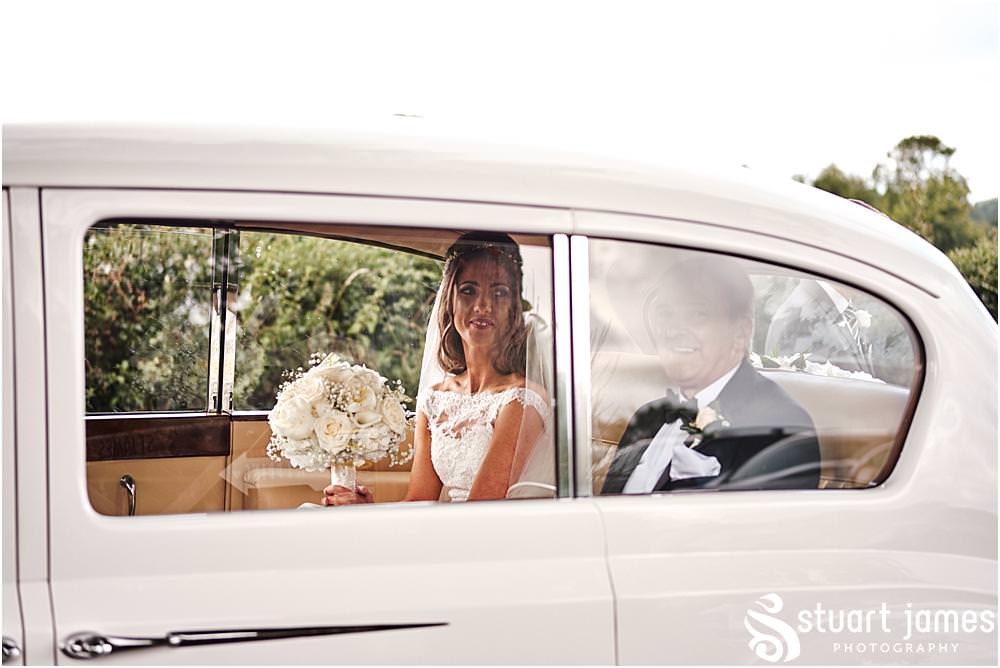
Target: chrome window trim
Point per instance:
(147, 415)
(580, 305)
(221, 378)
(562, 321)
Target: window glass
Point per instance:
(350, 306)
(147, 305)
(714, 372)
(298, 295)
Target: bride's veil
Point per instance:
(537, 478)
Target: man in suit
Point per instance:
(720, 423)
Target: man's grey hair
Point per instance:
(723, 277)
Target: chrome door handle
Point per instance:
(91, 645)
(128, 482)
(10, 649)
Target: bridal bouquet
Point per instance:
(338, 416)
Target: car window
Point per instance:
(716, 372)
(313, 359)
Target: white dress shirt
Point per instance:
(668, 445)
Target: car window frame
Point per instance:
(693, 235)
(96, 205)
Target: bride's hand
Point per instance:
(338, 495)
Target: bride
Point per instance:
(476, 429)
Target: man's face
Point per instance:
(696, 340)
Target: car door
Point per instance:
(497, 582)
(24, 409)
(13, 640)
(778, 575)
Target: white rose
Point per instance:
(360, 396)
(332, 360)
(370, 377)
(374, 440)
(287, 392)
(393, 415)
(302, 454)
(291, 417)
(366, 418)
(310, 388)
(306, 461)
(336, 374)
(334, 432)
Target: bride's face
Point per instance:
(482, 301)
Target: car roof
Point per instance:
(413, 162)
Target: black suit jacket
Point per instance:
(770, 443)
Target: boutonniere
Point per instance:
(708, 421)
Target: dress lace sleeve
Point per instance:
(422, 404)
(528, 398)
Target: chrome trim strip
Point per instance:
(580, 301)
(219, 333)
(563, 362)
(186, 638)
(91, 645)
(149, 415)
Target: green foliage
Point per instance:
(978, 263)
(148, 313)
(147, 304)
(920, 190)
(835, 181)
(985, 213)
(301, 295)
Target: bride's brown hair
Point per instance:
(505, 252)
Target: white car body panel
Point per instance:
(650, 579)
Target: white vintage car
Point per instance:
(135, 474)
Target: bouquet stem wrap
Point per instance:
(344, 474)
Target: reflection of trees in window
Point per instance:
(300, 295)
(146, 312)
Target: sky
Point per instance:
(783, 87)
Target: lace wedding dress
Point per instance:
(461, 429)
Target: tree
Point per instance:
(921, 191)
(985, 213)
(848, 186)
(978, 263)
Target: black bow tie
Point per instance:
(675, 408)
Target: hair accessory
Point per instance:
(461, 250)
